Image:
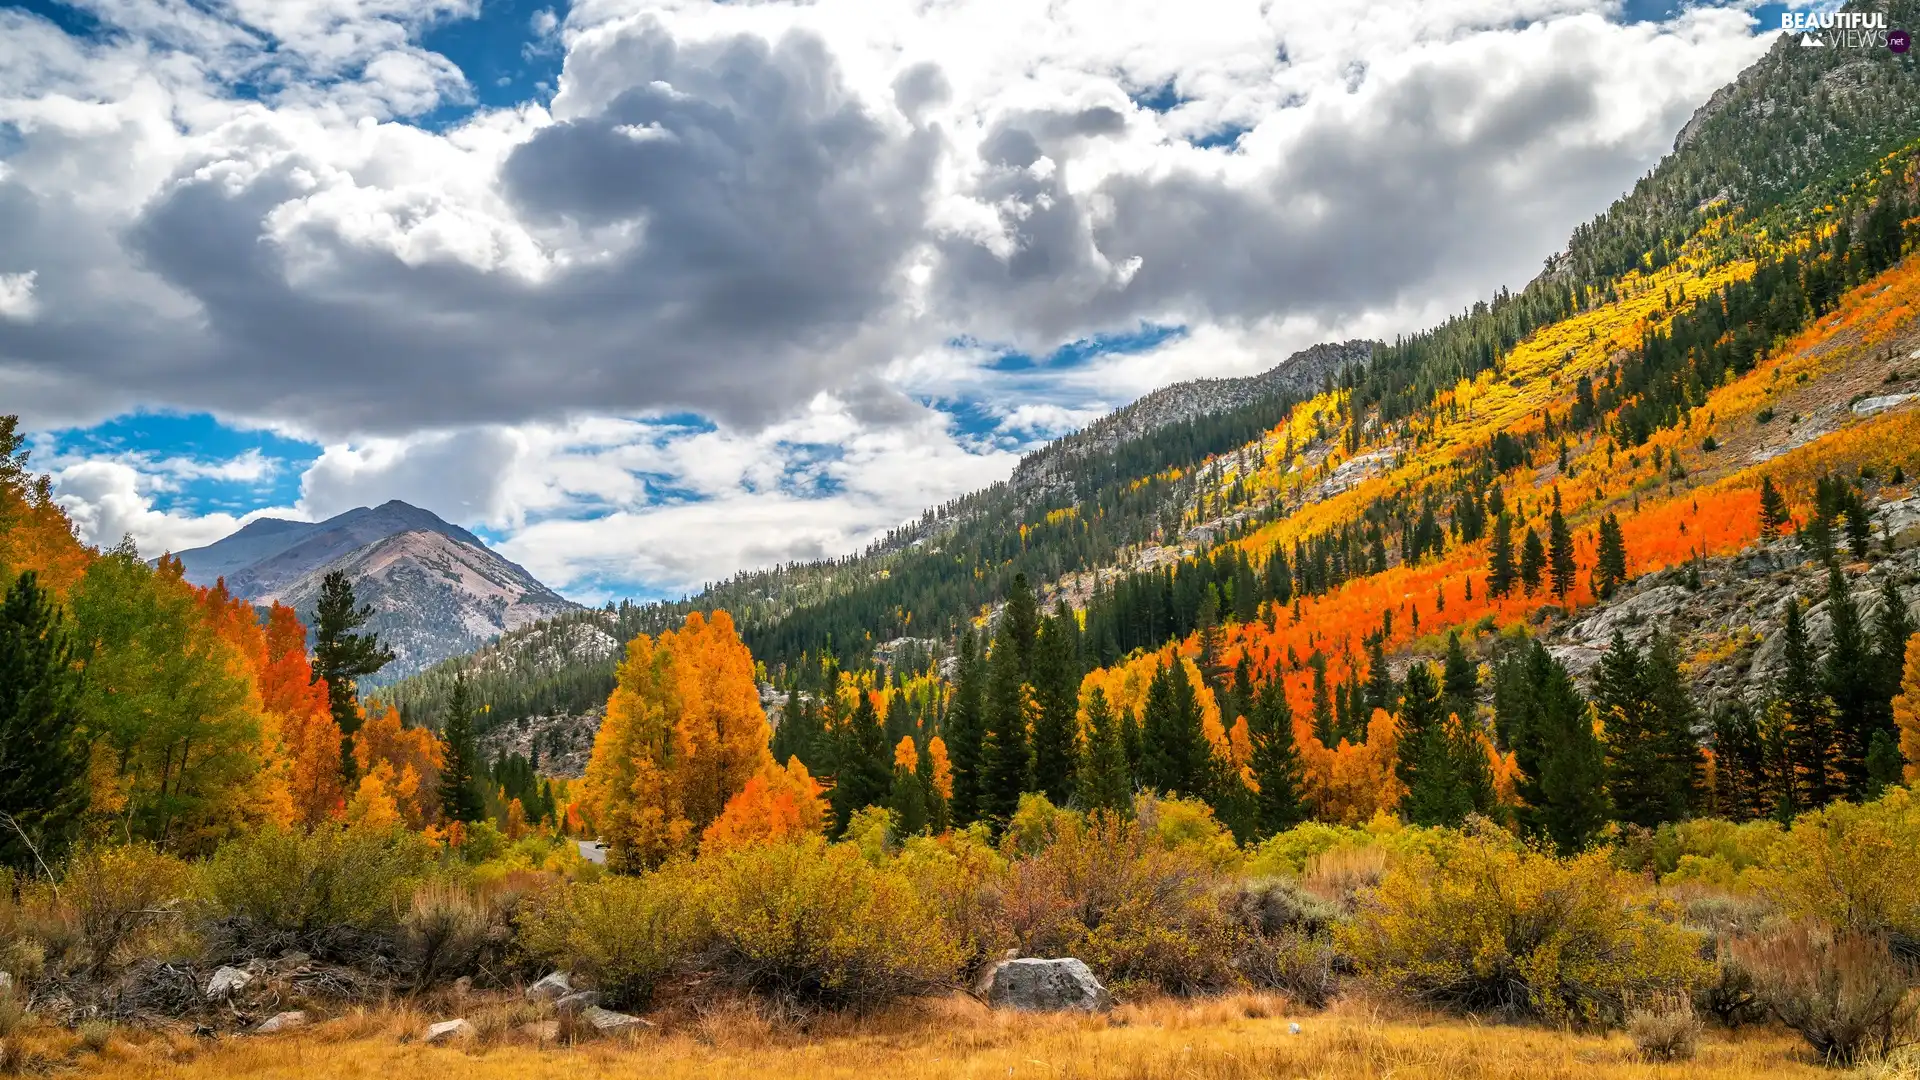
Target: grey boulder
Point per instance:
(1034, 985)
(551, 987)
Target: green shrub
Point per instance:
(275, 882)
(1842, 991)
(814, 922)
(626, 934)
(1140, 913)
(1489, 925)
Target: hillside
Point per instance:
(436, 590)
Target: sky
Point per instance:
(646, 292)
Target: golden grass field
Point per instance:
(1219, 1039)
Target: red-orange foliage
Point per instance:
(413, 758)
(776, 805)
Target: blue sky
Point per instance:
(647, 292)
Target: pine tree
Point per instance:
(908, 798)
(1561, 570)
(865, 769)
(1020, 623)
(1210, 641)
(1740, 785)
(1806, 715)
(342, 657)
(1102, 782)
(1056, 693)
(1533, 559)
(1883, 765)
(1005, 753)
(1500, 569)
(1649, 718)
(1610, 565)
(43, 751)
(460, 796)
(1423, 764)
(965, 731)
(1276, 761)
(1562, 763)
(1174, 751)
(1459, 679)
(1773, 510)
(1326, 725)
(1892, 628)
(1852, 681)
(800, 733)
(1381, 692)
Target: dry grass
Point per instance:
(1239, 1037)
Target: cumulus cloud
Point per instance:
(799, 221)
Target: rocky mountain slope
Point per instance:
(436, 590)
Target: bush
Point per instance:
(1842, 991)
(1856, 867)
(960, 876)
(812, 922)
(1489, 925)
(274, 885)
(1285, 940)
(1667, 1030)
(443, 931)
(624, 933)
(123, 898)
(1730, 995)
(1141, 914)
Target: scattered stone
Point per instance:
(226, 982)
(286, 1021)
(551, 987)
(1293, 1029)
(608, 1022)
(1869, 406)
(542, 1031)
(448, 1031)
(578, 1001)
(1034, 985)
(463, 986)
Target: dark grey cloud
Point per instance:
(771, 215)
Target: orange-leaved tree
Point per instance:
(297, 706)
(776, 805)
(684, 732)
(412, 758)
(1906, 711)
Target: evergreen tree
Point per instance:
(1533, 559)
(966, 731)
(1562, 763)
(865, 769)
(1325, 724)
(460, 795)
(1852, 680)
(1806, 716)
(800, 733)
(1020, 623)
(1741, 791)
(1501, 572)
(1439, 760)
(1381, 692)
(1276, 761)
(342, 657)
(1459, 680)
(1610, 565)
(908, 797)
(1561, 570)
(1056, 692)
(1175, 756)
(1006, 752)
(1102, 781)
(1892, 626)
(1648, 717)
(1884, 765)
(1210, 641)
(43, 751)
(1773, 510)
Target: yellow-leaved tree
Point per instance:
(683, 733)
(1906, 711)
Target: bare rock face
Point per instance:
(578, 1001)
(1034, 985)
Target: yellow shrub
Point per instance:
(122, 898)
(1853, 867)
(624, 933)
(818, 922)
(280, 882)
(1490, 925)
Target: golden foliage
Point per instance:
(777, 805)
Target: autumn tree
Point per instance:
(300, 707)
(1326, 727)
(1906, 711)
(776, 805)
(342, 656)
(936, 780)
(908, 799)
(43, 751)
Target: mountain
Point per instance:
(1746, 311)
(436, 590)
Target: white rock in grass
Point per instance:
(286, 1021)
(1034, 985)
(226, 982)
(608, 1022)
(551, 987)
(449, 1030)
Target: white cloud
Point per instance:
(16, 296)
(108, 500)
